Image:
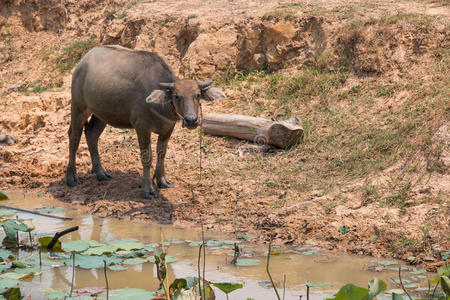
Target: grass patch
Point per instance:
(72, 53)
(166, 20)
(415, 18)
(282, 13)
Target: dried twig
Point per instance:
(268, 272)
(60, 234)
(40, 257)
(284, 285)
(401, 282)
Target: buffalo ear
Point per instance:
(156, 97)
(213, 93)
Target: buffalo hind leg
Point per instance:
(148, 189)
(75, 130)
(93, 130)
(160, 172)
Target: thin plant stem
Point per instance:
(268, 272)
(435, 287)
(165, 266)
(199, 270)
(204, 260)
(307, 292)
(106, 279)
(284, 285)
(40, 257)
(401, 283)
(73, 272)
(31, 241)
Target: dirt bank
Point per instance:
(369, 80)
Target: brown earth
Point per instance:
(356, 69)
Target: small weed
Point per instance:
(37, 87)
(399, 198)
(279, 14)
(370, 194)
(71, 54)
(166, 20)
(110, 15)
(122, 15)
(193, 16)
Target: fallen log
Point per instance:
(283, 134)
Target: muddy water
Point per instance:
(337, 269)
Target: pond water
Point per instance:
(338, 269)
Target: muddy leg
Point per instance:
(160, 172)
(93, 131)
(146, 158)
(75, 131)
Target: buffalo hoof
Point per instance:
(103, 176)
(73, 181)
(149, 195)
(163, 183)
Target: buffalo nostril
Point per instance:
(191, 119)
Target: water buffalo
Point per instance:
(130, 89)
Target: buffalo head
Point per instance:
(184, 98)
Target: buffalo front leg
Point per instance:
(148, 189)
(160, 172)
(93, 131)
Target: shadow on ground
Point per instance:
(119, 198)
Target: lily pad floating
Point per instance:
(387, 263)
(7, 212)
(104, 249)
(247, 262)
(410, 285)
(244, 236)
(212, 243)
(127, 293)
(195, 244)
(397, 281)
(50, 209)
(117, 268)
(3, 196)
(16, 276)
(5, 266)
(231, 242)
(77, 246)
(395, 291)
(93, 243)
(93, 262)
(134, 261)
(12, 226)
(35, 271)
(265, 284)
(309, 252)
(228, 287)
(310, 284)
(128, 245)
(131, 254)
(169, 259)
(6, 283)
(417, 272)
(5, 254)
(18, 264)
(220, 247)
(422, 289)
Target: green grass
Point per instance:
(72, 53)
(166, 20)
